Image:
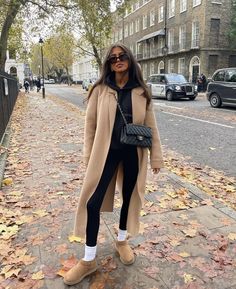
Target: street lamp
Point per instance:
(41, 45)
(165, 48)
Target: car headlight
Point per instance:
(177, 87)
(195, 86)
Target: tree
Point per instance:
(11, 8)
(94, 21)
(59, 50)
(232, 31)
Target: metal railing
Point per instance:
(8, 95)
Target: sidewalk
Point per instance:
(187, 239)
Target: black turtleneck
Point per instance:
(125, 101)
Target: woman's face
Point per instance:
(119, 60)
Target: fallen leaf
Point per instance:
(73, 238)
(232, 236)
(38, 276)
(188, 278)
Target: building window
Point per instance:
(131, 28)
(181, 66)
(171, 66)
(212, 63)
(232, 61)
(145, 76)
(137, 24)
(144, 21)
(183, 6)
(161, 67)
(152, 68)
(196, 2)
(136, 5)
(152, 47)
(161, 14)
(195, 34)
(214, 32)
(152, 17)
(126, 30)
(182, 37)
(171, 8)
(171, 40)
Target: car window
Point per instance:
(154, 79)
(175, 78)
(219, 76)
(230, 76)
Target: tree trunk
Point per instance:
(97, 57)
(14, 7)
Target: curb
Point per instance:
(3, 157)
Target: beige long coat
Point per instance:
(100, 118)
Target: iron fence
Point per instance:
(8, 95)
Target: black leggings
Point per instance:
(129, 157)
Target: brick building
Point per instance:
(184, 36)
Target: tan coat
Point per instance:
(100, 118)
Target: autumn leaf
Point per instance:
(38, 276)
(143, 213)
(7, 182)
(73, 238)
(40, 213)
(190, 232)
(188, 278)
(184, 254)
(232, 236)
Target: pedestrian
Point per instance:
(38, 84)
(204, 82)
(26, 86)
(110, 163)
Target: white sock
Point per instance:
(122, 235)
(89, 253)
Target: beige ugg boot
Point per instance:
(77, 273)
(125, 252)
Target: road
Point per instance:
(193, 129)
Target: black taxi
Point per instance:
(171, 86)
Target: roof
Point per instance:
(160, 32)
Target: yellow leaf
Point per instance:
(190, 232)
(184, 254)
(40, 213)
(60, 193)
(73, 238)
(188, 278)
(38, 276)
(143, 213)
(172, 195)
(7, 182)
(61, 272)
(232, 236)
(12, 272)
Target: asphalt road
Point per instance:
(192, 128)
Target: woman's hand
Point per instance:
(156, 171)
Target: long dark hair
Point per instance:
(134, 70)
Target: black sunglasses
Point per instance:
(121, 57)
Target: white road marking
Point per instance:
(163, 104)
(197, 119)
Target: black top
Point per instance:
(125, 101)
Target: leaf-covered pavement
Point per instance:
(185, 241)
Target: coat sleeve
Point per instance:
(90, 124)
(156, 158)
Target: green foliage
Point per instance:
(232, 31)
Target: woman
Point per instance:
(111, 164)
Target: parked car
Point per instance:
(222, 87)
(171, 86)
(51, 80)
(85, 84)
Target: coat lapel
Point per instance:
(112, 107)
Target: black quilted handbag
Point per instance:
(134, 134)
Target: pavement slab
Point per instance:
(183, 242)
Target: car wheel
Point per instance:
(169, 95)
(192, 97)
(215, 100)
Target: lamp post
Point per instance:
(41, 46)
(165, 48)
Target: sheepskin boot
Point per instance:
(77, 273)
(125, 252)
